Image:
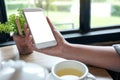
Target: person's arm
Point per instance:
(100, 56)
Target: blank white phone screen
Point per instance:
(39, 27)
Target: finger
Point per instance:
(52, 27)
(25, 26)
(30, 40)
(26, 29)
(18, 26)
(55, 32)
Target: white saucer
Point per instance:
(50, 77)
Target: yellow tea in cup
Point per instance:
(69, 73)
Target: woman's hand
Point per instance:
(57, 50)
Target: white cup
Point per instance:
(71, 70)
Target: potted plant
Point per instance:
(4, 32)
(11, 26)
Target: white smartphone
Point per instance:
(39, 27)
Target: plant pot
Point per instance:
(22, 44)
(4, 37)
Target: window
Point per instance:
(105, 13)
(64, 14)
(88, 20)
(3, 16)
